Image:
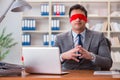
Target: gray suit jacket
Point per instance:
(95, 42)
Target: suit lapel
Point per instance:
(70, 40)
(88, 38)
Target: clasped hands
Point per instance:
(72, 54)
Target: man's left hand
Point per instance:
(85, 54)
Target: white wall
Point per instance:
(13, 23)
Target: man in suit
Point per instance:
(89, 51)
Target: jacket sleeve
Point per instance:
(57, 43)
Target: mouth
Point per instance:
(78, 23)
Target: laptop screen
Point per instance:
(42, 60)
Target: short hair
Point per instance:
(78, 6)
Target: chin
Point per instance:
(79, 28)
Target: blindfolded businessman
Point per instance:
(82, 48)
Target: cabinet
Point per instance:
(51, 17)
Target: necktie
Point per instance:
(79, 40)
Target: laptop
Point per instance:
(44, 60)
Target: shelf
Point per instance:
(35, 31)
(115, 32)
(116, 17)
(35, 16)
(60, 31)
(89, 16)
(36, 1)
(60, 16)
(114, 0)
(35, 46)
(104, 31)
(115, 46)
(66, 1)
(96, 16)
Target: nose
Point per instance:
(78, 19)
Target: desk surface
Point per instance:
(72, 75)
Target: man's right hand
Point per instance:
(71, 54)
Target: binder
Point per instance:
(52, 26)
(23, 24)
(33, 24)
(42, 12)
(53, 36)
(57, 9)
(23, 43)
(57, 24)
(45, 40)
(63, 10)
(26, 23)
(47, 9)
(54, 9)
(60, 9)
(26, 39)
(52, 40)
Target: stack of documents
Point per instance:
(106, 72)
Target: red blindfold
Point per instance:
(80, 16)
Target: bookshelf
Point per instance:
(115, 23)
(103, 16)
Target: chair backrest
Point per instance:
(109, 43)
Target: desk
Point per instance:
(73, 75)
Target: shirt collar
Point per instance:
(82, 34)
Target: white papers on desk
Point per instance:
(106, 72)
